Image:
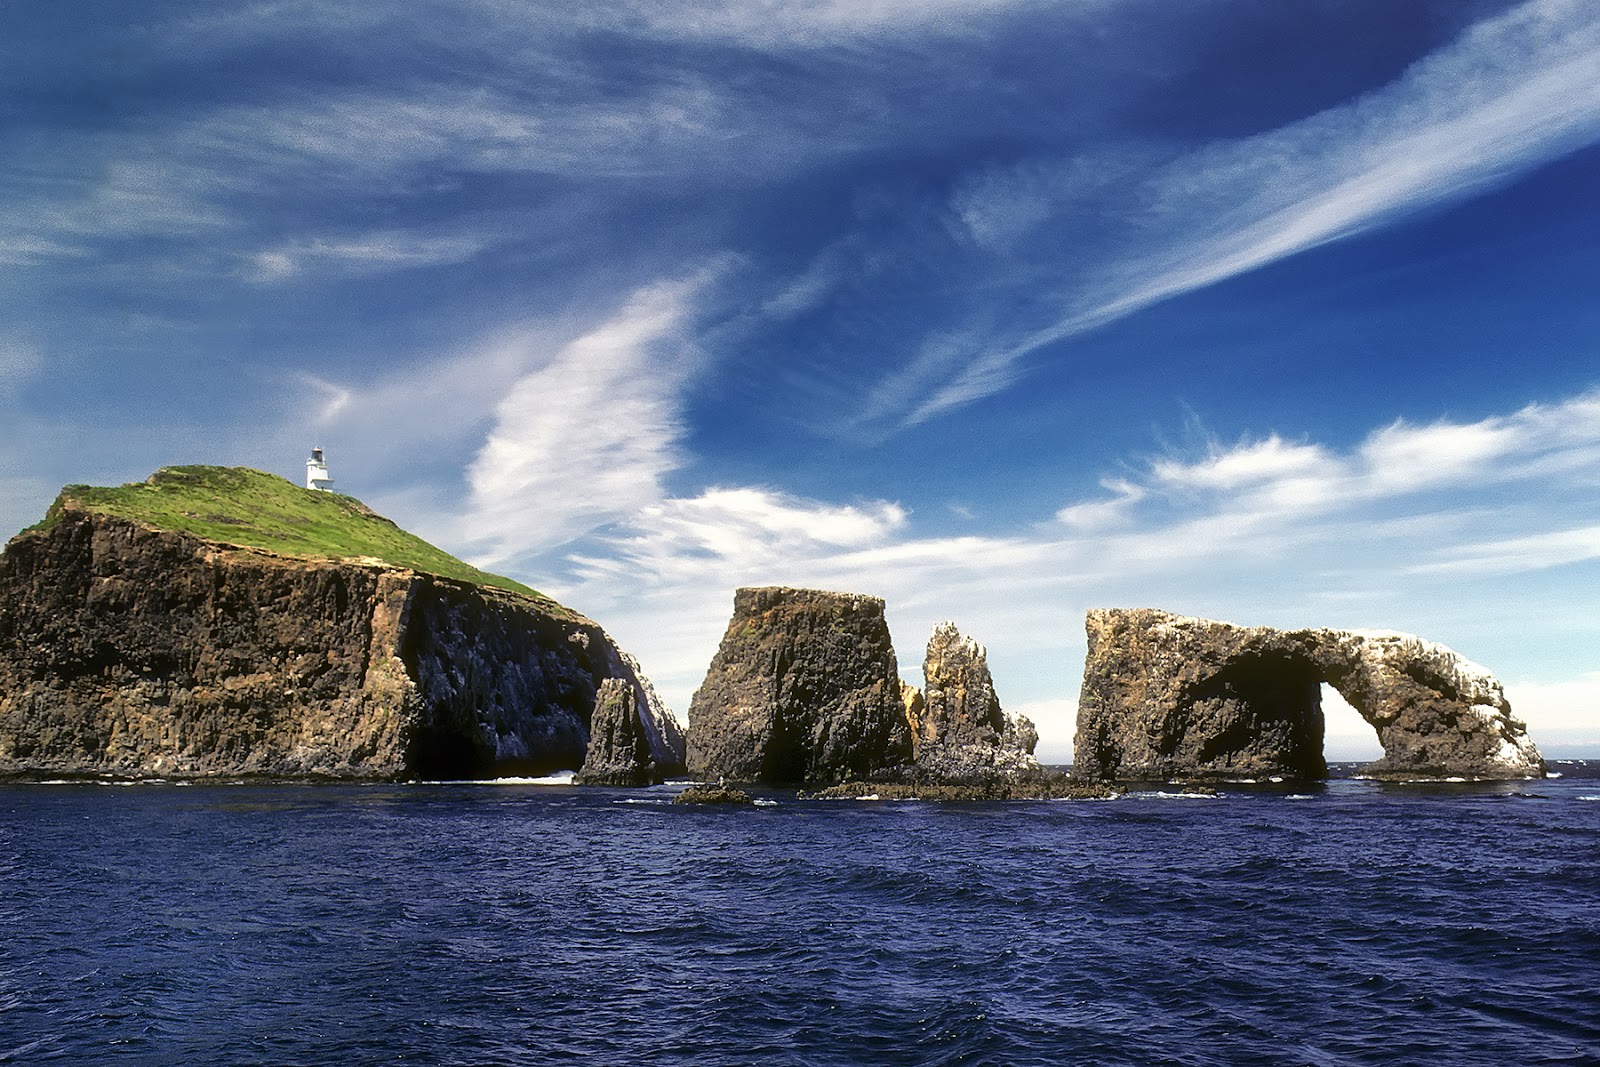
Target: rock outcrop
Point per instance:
(620, 752)
(130, 649)
(1166, 696)
(803, 689)
(959, 732)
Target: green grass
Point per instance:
(240, 506)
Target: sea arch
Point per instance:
(1169, 696)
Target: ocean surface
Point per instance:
(1352, 923)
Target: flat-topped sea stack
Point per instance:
(1165, 696)
(803, 689)
(221, 621)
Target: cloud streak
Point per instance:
(588, 437)
(1512, 93)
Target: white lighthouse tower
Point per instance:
(317, 472)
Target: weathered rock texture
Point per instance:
(804, 689)
(959, 733)
(620, 752)
(128, 649)
(1166, 696)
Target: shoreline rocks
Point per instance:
(959, 732)
(620, 752)
(714, 794)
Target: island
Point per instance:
(223, 621)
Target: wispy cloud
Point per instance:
(371, 253)
(588, 437)
(1513, 92)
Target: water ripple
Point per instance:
(455, 924)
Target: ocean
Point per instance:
(516, 923)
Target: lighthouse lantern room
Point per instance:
(317, 472)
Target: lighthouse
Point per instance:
(317, 472)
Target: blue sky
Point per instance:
(998, 309)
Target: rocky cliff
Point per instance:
(803, 689)
(1167, 696)
(959, 732)
(132, 649)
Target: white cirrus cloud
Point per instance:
(587, 437)
(1513, 92)
(371, 253)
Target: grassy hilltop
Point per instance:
(240, 506)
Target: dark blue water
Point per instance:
(448, 924)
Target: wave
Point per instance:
(558, 778)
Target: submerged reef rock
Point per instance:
(959, 733)
(620, 752)
(132, 644)
(1166, 696)
(714, 794)
(803, 689)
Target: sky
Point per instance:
(1284, 314)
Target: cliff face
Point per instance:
(130, 649)
(804, 688)
(1167, 696)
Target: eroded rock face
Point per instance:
(131, 650)
(1167, 696)
(803, 689)
(959, 732)
(619, 744)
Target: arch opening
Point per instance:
(1346, 736)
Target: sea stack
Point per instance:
(804, 689)
(222, 621)
(959, 732)
(1166, 696)
(620, 752)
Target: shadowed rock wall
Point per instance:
(1168, 696)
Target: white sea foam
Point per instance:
(558, 778)
(1299, 796)
(766, 803)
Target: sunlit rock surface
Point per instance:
(803, 689)
(959, 732)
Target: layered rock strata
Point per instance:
(803, 689)
(1166, 696)
(134, 650)
(959, 732)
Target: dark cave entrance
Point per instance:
(436, 755)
